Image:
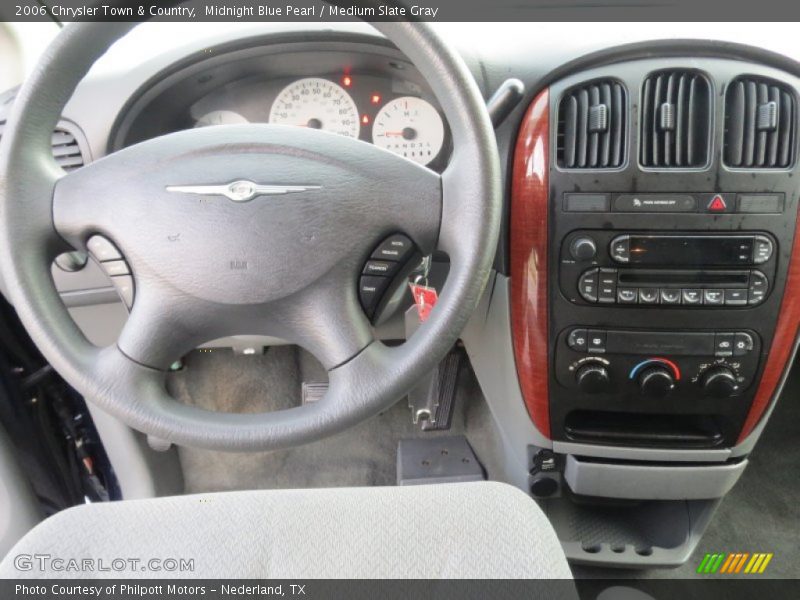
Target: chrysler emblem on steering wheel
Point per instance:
(242, 190)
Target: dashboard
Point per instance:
(366, 93)
(645, 300)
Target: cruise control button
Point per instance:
(597, 341)
(648, 295)
(607, 286)
(578, 339)
(102, 249)
(396, 248)
(692, 296)
(742, 343)
(670, 296)
(124, 287)
(723, 344)
(370, 290)
(379, 267)
(587, 285)
(735, 297)
(115, 267)
(627, 295)
(714, 297)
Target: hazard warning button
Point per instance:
(717, 204)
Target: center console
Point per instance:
(662, 277)
(654, 292)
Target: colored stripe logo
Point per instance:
(735, 563)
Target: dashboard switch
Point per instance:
(648, 295)
(124, 287)
(395, 248)
(742, 343)
(607, 286)
(379, 267)
(102, 249)
(597, 341)
(578, 340)
(583, 248)
(723, 344)
(670, 296)
(370, 290)
(587, 285)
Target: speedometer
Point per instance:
(410, 127)
(316, 103)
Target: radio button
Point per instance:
(627, 295)
(742, 343)
(735, 297)
(714, 297)
(648, 295)
(670, 296)
(762, 249)
(692, 296)
(723, 344)
(578, 339)
(607, 286)
(587, 285)
(756, 296)
(621, 249)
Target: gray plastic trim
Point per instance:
(653, 454)
(487, 339)
(19, 509)
(651, 482)
(141, 472)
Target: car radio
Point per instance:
(686, 270)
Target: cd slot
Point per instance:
(687, 278)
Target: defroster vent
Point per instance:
(591, 126)
(759, 124)
(676, 120)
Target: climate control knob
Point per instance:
(720, 382)
(583, 248)
(656, 381)
(593, 378)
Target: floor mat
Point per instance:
(364, 455)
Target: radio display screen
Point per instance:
(691, 250)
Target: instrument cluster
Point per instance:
(391, 113)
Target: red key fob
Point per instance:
(425, 298)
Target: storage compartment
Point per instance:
(629, 534)
(636, 429)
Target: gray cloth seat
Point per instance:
(460, 530)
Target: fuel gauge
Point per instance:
(410, 127)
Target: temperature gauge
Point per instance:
(410, 127)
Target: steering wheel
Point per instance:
(206, 266)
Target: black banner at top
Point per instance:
(387, 10)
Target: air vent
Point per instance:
(66, 149)
(591, 126)
(759, 124)
(676, 120)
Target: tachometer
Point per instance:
(410, 127)
(317, 103)
(220, 117)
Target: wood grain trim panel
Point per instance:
(529, 260)
(780, 351)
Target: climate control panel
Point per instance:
(684, 366)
